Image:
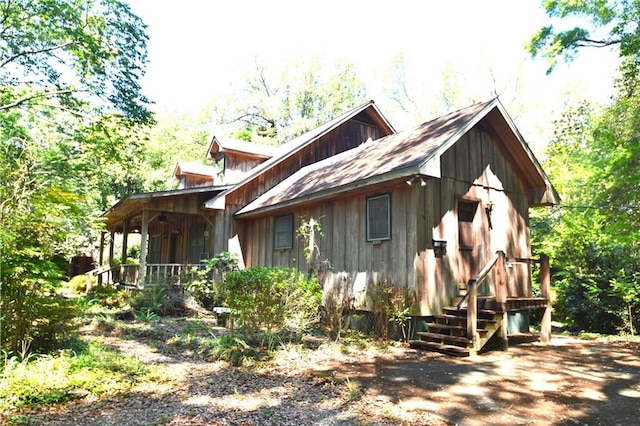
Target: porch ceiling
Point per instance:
(169, 203)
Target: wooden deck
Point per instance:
(513, 304)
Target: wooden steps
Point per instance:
(447, 333)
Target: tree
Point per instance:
(67, 53)
(274, 108)
(594, 160)
(69, 106)
(603, 24)
(592, 236)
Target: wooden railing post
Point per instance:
(144, 235)
(545, 289)
(501, 298)
(472, 313)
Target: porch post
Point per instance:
(501, 299)
(112, 238)
(123, 256)
(472, 314)
(218, 232)
(144, 232)
(101, 255)
(545, 289)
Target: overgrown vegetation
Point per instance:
(70, 107)
(592, 237)
(67, 375)
(272, 300)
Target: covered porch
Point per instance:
(174, 232)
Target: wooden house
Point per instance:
(435, 210)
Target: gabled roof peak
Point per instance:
(225, 144)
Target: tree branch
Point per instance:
(39, 95)
(35, 52)
(595, 43)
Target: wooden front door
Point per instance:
(469, 225)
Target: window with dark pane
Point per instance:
(379, 218)
(466, 214)
(283, 232)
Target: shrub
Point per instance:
(109, 296)
(54, 379)
(272, 299)
(34, 322)
(203, 286)
(150, 299)
(78, 284)
(391, 305)
(230, 349)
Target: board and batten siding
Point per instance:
(356, 264)
(341, 139)
(474, 169)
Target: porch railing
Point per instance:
(156, 273)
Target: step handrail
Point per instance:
(482, 275)
(472, 295)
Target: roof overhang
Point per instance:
(159, 201)
(395, 176)
(295, 145)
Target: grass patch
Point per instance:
(68, 375)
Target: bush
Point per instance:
(34, 322)
(78, 284)
(391, 306)
(231, 349)
(202, 283)
(151, 299)
(272, 299)
(165, 299)
(109, 296)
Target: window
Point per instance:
(379, 218)
(283, 232)
(195, 243)
(466, 214)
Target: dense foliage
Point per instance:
(271, 299)
(592, 236)
(69, 106)
(594, 162)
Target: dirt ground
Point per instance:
(570, 381)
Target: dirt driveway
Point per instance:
(570, 381)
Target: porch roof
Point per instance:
(399, 156)
(160, 201)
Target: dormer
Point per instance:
(194, 175)
(235, 158)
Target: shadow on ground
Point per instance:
(570, 381)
